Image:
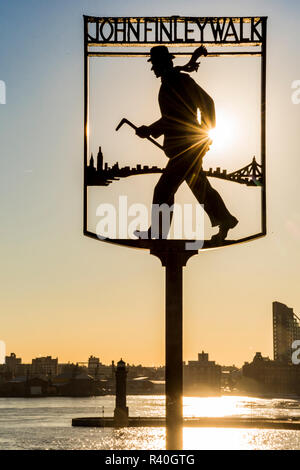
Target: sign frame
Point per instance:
(130, 28)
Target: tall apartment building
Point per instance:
(286, 329)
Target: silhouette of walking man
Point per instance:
(186, 141)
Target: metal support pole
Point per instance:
(174, 373)
(173, 332)
(174, 261)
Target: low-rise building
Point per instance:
(44, 366)
(11, 363)
(96, 369)
(202, 377)
(264, 376)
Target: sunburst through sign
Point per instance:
(197, 144)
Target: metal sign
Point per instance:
(174, 30)
(132, 39)
(116, 108)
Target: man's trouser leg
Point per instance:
(205, 194)
(173, 176)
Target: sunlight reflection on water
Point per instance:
(45, 423)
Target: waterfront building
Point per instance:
(23, 370)
(44, 366)
(202, 376)
(286, 329)
(265, 376)
(11, 363)
(93, 365)
(96, 369)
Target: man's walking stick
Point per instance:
(125, 121)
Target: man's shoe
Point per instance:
(224, 228)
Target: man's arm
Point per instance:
(155, 130)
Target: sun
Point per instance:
(225, 132)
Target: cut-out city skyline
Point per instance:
(100, 175)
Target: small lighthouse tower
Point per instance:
(121, 410)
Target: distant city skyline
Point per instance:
(285, 330)
(14, 357)
(100, 175)
(103, 176)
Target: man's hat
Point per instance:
(160, 54)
